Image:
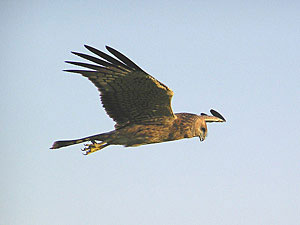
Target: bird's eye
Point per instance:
(203, 129)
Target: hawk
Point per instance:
(138, 103)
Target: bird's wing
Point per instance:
(128, 94)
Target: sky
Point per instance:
(240, 58)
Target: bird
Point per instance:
(139, 104)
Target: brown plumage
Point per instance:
(138, 103)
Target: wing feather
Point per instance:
(123, 58)
(128, 94)
(107, 57)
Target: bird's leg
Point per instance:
(89, 148)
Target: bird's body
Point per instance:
(139, 104)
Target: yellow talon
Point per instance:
(90, 148)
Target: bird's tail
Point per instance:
(64, 143)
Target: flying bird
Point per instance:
(138, 103)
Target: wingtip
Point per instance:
(90, 48)
(54, 145)
(76, 53)
(72, 71)
(108, 47)
(217, 114)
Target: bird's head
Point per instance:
(216, 117)
(202, 130)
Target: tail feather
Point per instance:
(59, 144)
(64, 143)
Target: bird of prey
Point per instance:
(138, 103)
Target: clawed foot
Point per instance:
(90, 148)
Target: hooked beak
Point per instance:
(202, 138)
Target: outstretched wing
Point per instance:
(128, 94)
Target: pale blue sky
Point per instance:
(240, 58)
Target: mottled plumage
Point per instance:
(138, 103)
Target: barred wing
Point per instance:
(128, 94)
